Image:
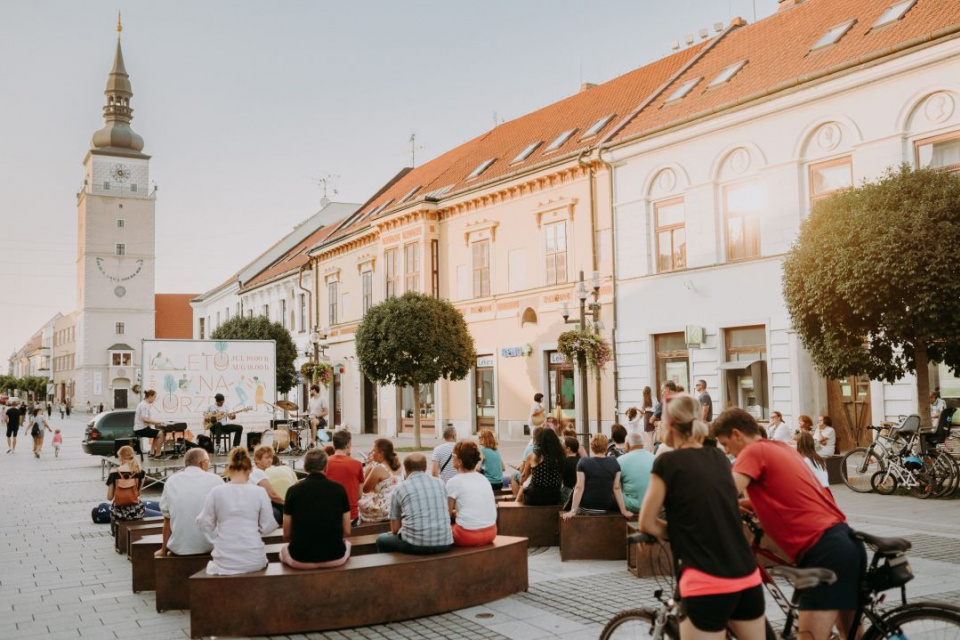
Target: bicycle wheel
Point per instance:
(884, 483)
(926, 620)
(925, 485)
(945, 472)
(637, 624)
(858, 467)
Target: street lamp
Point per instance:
(593, 308)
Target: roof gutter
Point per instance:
(309, 292)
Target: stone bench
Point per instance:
(120, 533)
(593, 537)
(172, 573)
(142, 552)
(539, 525)
(280, 600)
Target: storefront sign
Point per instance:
(511, 352)
(484, 362)
(557, 358)
(693, 336)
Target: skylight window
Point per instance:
(483, 166)
(597, 126)
(409, 194)
(436, 193)
(684, 89)
(381, 208)
(523, 155)
(727, 74)
(894, 13)
(560, 140)
(832, 35)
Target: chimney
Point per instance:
(586, 86)
(786, 4)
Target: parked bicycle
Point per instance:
(889, 569)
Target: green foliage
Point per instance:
(414, 339)
(260, 328)
(585, 345)
(318, 372)
(871, 282)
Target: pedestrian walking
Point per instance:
(63, 410)
(49, 409)
(69, 406)
(38, 423)
(57, 441)
(13, 418)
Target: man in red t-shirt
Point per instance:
(345, 470)
(800, 516)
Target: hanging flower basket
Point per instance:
(585, 344)
(317, 372)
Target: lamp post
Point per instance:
(593, 308)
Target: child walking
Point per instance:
(57, 441)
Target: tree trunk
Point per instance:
(923, 382)
(416, 416)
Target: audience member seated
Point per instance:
(635, 467)
(239, 513)
(441, 460)
(493, 464)
(471, 499)
(571, 448)
(183, 497)
(616, 447)
(419, 513)
(383, 475)
(263, 460)
(598, 483)
(123, 490)
(316, 519)
(825, 437)
(342, 468)
(546, 471)
(281, 476)
(522, 476)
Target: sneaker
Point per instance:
(9, 450)
(36, 454)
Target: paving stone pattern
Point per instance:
(61, 578)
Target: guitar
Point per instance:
(210, 418)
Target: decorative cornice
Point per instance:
(551, 206)
(372, 236)
(366, 258)
(479, 226)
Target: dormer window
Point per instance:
(727, 74)
(893, 13)
(560, 140)
(408, 195)
(596, 127)
(833, 35)
(527, 150)
(483, 166)
(684, 89)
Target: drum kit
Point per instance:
(286, 438)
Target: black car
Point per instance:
(104, 428)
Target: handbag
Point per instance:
(126, 491)
(538, 419)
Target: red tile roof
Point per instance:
(173, 316)
(293, 260)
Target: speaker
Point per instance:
(253, 440)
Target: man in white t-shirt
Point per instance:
(144, 424)
(182, 501)
(317, 410)
(825, 437)
(441, 460)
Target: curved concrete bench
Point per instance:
(280, 600)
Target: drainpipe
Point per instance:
(309, 265)
(584, 161)
(613, 278)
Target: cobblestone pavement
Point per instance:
(60, 577)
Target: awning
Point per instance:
(120, 347)
(737, 365)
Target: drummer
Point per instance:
(216, 413)
(316, 412)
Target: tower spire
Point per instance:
(117, 134)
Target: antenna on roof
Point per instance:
(324, 181)
(413, 149)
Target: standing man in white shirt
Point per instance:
(182, 501)
(825, 437)
(143, 423)
(317, 410)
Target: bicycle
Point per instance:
(887, 570)
(860, 464)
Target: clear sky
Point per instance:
(244, 105)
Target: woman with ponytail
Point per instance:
(239, 513)
(381, 477)
(717, 573)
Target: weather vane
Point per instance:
(119, 24)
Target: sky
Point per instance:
(244, 106)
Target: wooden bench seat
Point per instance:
(120, 533)
(280, 600)
(172, 573)
(593, 537)
(141, 531)
(539, 525)
(648, 560)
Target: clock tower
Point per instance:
(115, 252)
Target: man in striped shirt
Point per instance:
(419, 516)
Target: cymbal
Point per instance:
(287, 405)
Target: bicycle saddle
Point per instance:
(641, 538)
(804, 578)
(884, 545)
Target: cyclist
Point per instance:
(800, 516)
(719, 582)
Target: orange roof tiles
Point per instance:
(173, 315)
(292, 260)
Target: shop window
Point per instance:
(673, 360)
(427, 406)
(745, 371)
(671, 235)
(411, 267)
(556, 252)
(828, 178)
(562, 389)
(741, 207)
(940, 152)
(481, 268)
(390, 269)
(202, 328)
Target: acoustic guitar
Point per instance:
(210, 418)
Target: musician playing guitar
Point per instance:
(317, 411)
(216, 414)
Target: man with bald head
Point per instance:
(183, 496)
(419, 517)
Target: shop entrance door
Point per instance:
(562, 389)
(369, 406)
(119, 398)
(848, 401)
(485, 399)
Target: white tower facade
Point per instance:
(116, 254)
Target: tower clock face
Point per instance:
(120, 172)
(120, 291)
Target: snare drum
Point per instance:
(281, 439)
